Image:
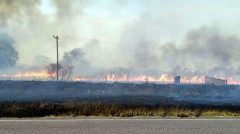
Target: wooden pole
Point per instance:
(57, 38)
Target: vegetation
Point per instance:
(25, 109)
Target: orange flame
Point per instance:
(42, 73)
(164, 78)
(193, 80)
(125, 78)
(111, 77)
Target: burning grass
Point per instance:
(43, 109)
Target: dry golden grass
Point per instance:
(73, 109)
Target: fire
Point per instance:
(80, 78)
(42, 73)
(164, 78)
(126, 78)
(194, 79)
(111, 77)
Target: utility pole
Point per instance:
(57, 38)
(146, 80)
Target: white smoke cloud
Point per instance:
(112, 41)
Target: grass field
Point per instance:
(43, 109)
(47, 98)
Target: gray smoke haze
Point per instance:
(76, 59)
(204, 50)
(10, 9)
(8, 54)
(140, 48)
(69, 58)
(40, 61)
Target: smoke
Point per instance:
(138, 44)
(40, 61)
(75, 55)
(203, 51)
(8, 54)
(76, 59)
(145, 56)
(12, 9)
(33, 22)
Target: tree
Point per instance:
(52, 70)
(65, 71)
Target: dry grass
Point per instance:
(110, 110)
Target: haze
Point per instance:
(152, 37)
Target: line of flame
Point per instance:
(164, 78)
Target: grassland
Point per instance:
(74, 109)
(48, 98)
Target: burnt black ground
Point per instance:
(62, 91)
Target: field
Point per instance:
(41, 99)
(74, 109)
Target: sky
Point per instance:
(149, 36)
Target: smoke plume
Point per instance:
(204, 50)
(76, 59)
(8, 54)
(40, 61)
(140, 43)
